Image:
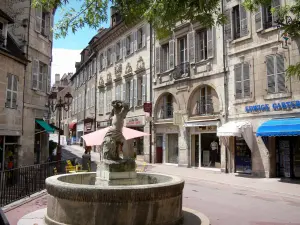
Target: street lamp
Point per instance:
(59, 104)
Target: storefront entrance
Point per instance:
(173, 148)
(288, 157)
(243, 158)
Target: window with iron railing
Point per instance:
(181, 71)
(166, 111)
(205, 103)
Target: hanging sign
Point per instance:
(148, 107)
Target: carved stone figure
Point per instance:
(114, 137)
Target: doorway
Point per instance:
(159, 149)
(173, 148)
(210, 150)
(243, 157)
(195, 149)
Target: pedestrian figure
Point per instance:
(86, 159)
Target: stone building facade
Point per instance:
(258, 92)
(12, 75)
(188, 95)
(31, 31)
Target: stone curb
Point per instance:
(204, 219)
(23, 201)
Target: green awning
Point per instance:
(45, 125)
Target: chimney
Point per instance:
(57, 79)
(113, 16)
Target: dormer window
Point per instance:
(3, 33)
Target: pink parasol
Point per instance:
(97, 137)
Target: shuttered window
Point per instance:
(101, 102)
(118, 93)
(242, 80)
(204, 45)
(239, 22)
(108, 99)
(264, 18)
(275, 73)
(11, 91)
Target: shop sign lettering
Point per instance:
(275, 106)
(135, 121)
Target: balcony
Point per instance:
(166, 111)
(181, 71)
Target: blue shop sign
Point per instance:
(275, 106)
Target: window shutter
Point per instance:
(45, 78)
(171, 54)
(258, 19)
(9, 90)
(47, 25)
(280, 75)
(191, 43)
(227, 26)
(49, 80)
(121, 49)
(117, 93)
(124, 93)
(210, 43)
(35, 71)
(144, 36)
(131, 93)
(270, 73)
(135, 91)
(135, 40)
(105, 59)
(124, 48)
(98, 61)
(157, 60)
(51, 27)
(144, 89)
(131, 43)
(246, 80)
(238, 81)
(38, 19)
(275, 5)
(114, 48)
(243, 21)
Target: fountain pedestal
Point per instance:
(120, 172)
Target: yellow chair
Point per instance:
(143, 168)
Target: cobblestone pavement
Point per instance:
(225, 198)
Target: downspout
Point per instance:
(96, 80)
(225, 88)
(151, 96)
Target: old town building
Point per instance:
(31, 31)
(262, 135)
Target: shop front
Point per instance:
(137, 123)
(166, 144)
(79, 132)
(237, 137)
(204, 144)
(9, 146)
(102, 124)
(285, 135)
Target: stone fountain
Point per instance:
(116, 194)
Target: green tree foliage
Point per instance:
(288, 21)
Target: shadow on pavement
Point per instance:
(248, 176)
(290, 180)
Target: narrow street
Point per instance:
(231, 204)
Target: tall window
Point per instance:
(118, 94)
(182, 50)
(128, 91)
(140, 33)
(140, 90)
(201, 45)
(205, 104)
(242, 80)
(11, 91)
(88, 99)
(101, 102)
(42, 21)
(275, 73)
(109, 57)
(128, 45)
(108, 99)
(101, 61)
(165, 59)
(118, 51)
(239, 23)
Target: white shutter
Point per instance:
(280, 73)
(144, 36)
(121, 49)
(238, 81)
(144, 89)
(51, 27)
(131, 94)
(105, 59)
(45, 78)
(47, 25)
(171, 54)
(135, 91)
(243, 21)
(270, 63)
(49, 80)
(227, 26)
(157, 59)
(191, 46)
(114, 48)
(38, 19)
(246, 80)
(131, 43)
(35, 74)
(258, 19)
(275, 6)
(210, 43)
(124, 47)
(135, 37)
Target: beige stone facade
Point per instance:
(31, 31)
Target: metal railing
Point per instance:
(181, 71)
(166, 111)
(25, 181)
(205, 106)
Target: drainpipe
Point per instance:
(151, 94)
(95, 103)
(225, 88)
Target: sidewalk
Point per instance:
(270, 185)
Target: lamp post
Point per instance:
(60, 104)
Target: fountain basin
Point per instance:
(155, 199)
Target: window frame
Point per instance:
(14, 79)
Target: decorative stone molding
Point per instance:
(118, 71)
(101, 82)
(108, 78)
(140, 66)
(128, 69)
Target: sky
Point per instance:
(66, 51)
